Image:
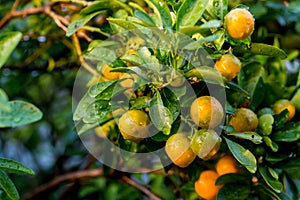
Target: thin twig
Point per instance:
(140, 187)
(15, 5)
(73, 176)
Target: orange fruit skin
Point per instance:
(283, 104)
(133, 125)
(244, 120)
(179, 151)
(226, 165)
(205, 185)
(207, 112)
(229, 66)
(106, 71)
(239, 23)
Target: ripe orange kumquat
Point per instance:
(226, 165)
(229, 66)
(244, 120)
(205, 185)
(283, 104)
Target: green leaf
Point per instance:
(271, 181)
(100, 87)
(160, 115)
(8, 42)
(270, 143)
(105, 4)
(233, 178)
(12, 166)
(190, 30)
(161, 137)
(261, 49)
(83, 104)
(217, 8)
(144, 17)
(21, 113)
(122, 23)
(234, 191)
(196, 44)
(190, 12)
(251, 79)
(8, 186)
(80, 22)
(161, 9)
(290, 133)
(206, 74)
(291, 164)
(252, 136)
(4, 103)
(244, 156)
(233, 86)
(171, 101)
(280, 119)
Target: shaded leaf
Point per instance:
(8, 42)
(105, 4)
(271, 181)
(122, 23)
(233, 178)
(144, 17)
(8, 186)
(244, 156)
(12, 166)
(261, 49)
(21, 113)
(217, 8)
(234, 191)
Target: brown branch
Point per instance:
(140, 187)
(73, 176)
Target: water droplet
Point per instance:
(17, 119)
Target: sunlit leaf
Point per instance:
(190, 12)
(244, 156)
(8, 42)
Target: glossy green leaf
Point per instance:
(199, 43)
(171, 101)
(217, 8)
(252, 136)
(271, 181)
(12, 166)
(8, 42)
(296, 99)
(20, 113)
(190, 12)
(99, 88)
(160, 115)
(105, 4)
(234, 191)
(8, 186)
(251, 79)
(244, 156)
(206, 74)
(270, 143)
(280, 119)
(122, 23)
(233, 86)
(144, 17)
(162, 10)
(290, 133)
(4, 103)
(290, 164)
(190, 30)
(261, 49)
(80, 22)
(161, 137)
(233, 178)
(83, 104)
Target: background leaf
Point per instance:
(8, 42)
(14, 167)
(271, 181)
(8, 186)
(21, 113)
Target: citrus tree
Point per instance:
(197, 97)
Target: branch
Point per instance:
(73, 176)
(140, 187)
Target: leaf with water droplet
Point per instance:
(12, 166)
(20, 113)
